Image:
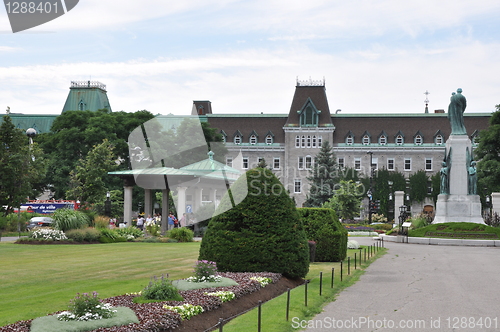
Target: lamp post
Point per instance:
(391, 207)
(402, 217)
(107, 205)
(369, 193)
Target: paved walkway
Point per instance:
(419, 288)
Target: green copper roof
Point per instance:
(41, 123)
(86, 96)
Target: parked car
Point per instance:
(39, 222)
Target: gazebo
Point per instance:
(196, 184)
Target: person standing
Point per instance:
(140, 223)
(182, 220)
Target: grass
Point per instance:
(273, 313)
(36, 280)
(455, 227)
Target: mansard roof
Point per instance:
(304, 94)
(201, 107)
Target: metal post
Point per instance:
(260, 316)
(305, 293)
(221, 324)
(348, 265)
(355, 261)
(333, 277)
(287, 303)
(341, 270)
(320, 282)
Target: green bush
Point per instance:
(161, 290)
(262, 233)
(12, 221)
(84, 235)
(66, 219)
(181, 234)
(110, 236)
(130, 233)
(322, 226)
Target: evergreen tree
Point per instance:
(262, 233)
(323, 177)
(347, 199)
(488, 154)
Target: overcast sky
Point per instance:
(245, 56)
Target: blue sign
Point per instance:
(46, 208)
(189, 208)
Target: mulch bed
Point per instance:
(154, 318)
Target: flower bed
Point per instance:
(154, 317)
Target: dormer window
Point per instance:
(269, 139)
(349, 140)
(400, 139)
(309, 114)
(419, 140)
(439, 140)
(253, 139)
(81, 106)
(366, 140)
(237, 139)
(382, 140)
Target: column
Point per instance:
(164, 210)
(127, 204)
(148, 203)
(197, 199)
(399, 199)
(181, 201)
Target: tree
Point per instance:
(488, 154)
(87, 180)
(21, 166)
(323, 177)
(74, 133)
(347, 199)
(381, 188)
(419, 184)
(262, 233)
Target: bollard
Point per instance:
(341, 269)
(320, 282)
(259, 316)
(305, 294)
(333, 277)
(348, 265)
(287, 303)
(221, 323)
(355, 261)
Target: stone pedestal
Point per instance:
(458, 206)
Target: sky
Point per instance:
(377, 56)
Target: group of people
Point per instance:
(173, 222)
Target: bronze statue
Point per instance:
(456, 110)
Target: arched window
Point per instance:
(308, 141)
(253, 139)
(320, 141)
(349, 140)
(400, 139)
(237, 139)
(382, 140)
(439, 140)
(419, 140)
(269, 140)
(297, 141)
(303, 141)
(366, 140)
(314, 141)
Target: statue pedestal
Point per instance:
(458, 206)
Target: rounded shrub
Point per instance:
(84, 235)
(161, 290)
(263, 233)
(181, 234)
(66, 219)
(322, 226)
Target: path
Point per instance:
(419, 288)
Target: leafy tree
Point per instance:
(75, 133)
(21, 166)
(488, 154)
(347, 199)
(262, 233)
(381, 188)
(419, 183)
(323, 177)
(87, 180)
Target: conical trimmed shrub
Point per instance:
(261, 234)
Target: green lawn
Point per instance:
(36, 280)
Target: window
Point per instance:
(341, 162)
(366, 140)
(357, 164)
(237, 139)
(320, 141)
(308, 141)
(439, 140)
(407, 164)
(301, 163)
(309, 117)
(349, 140)
(428, 164)
(229, 161)
(400, 140)
(81, 106)
(253, 139)
(382, 140)
(297, 186)
(244, 163)
(269, 140)
(303, 141)
(308, 162)
(259, 159)
(390, 164)
(375, 163)
(297, 141)
(276, 163)
(314, 141)
(224, 139)
(419, 140)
